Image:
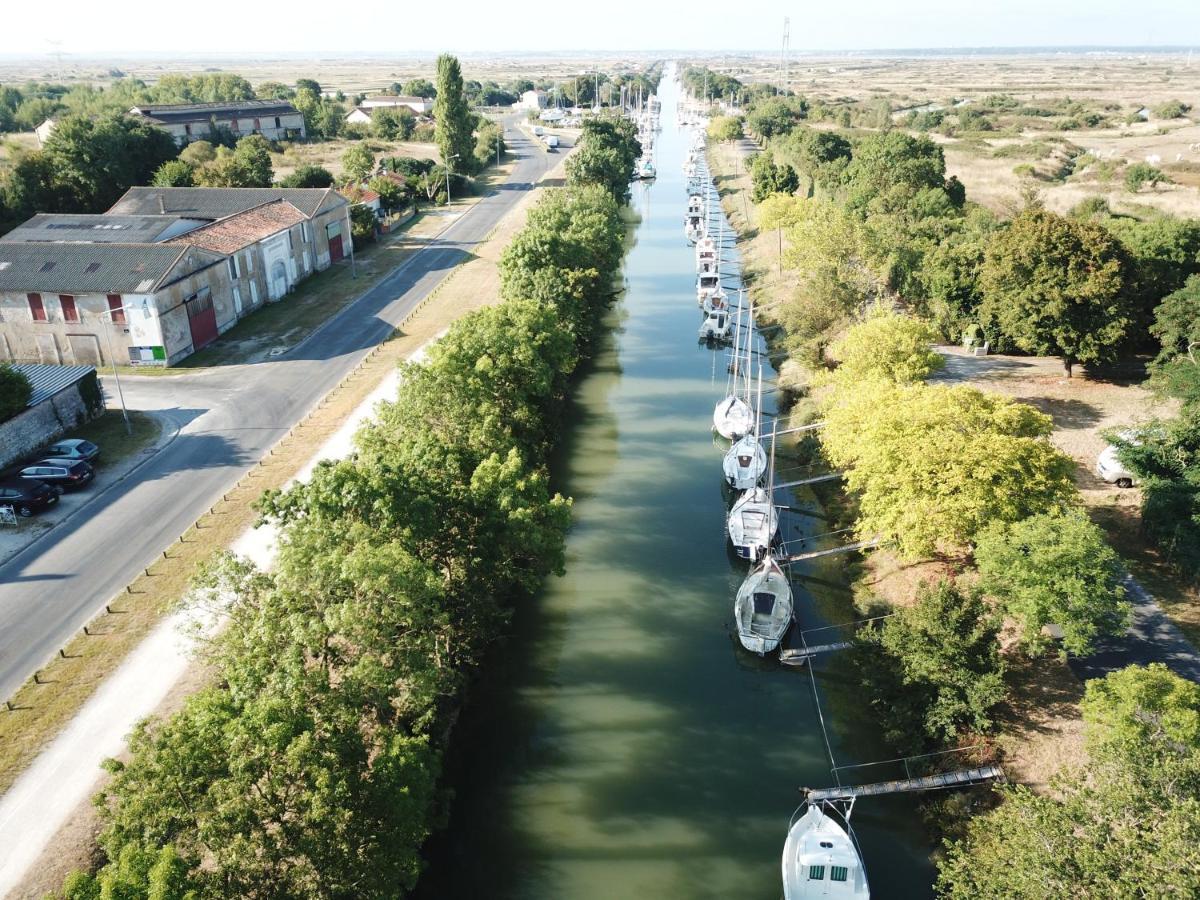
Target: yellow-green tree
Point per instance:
(933, 465)
(886, 345)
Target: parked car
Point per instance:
(1112, 470)
(551, 141)
(72, 448)
(65, 474)
(26, 497)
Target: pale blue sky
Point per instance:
(390, 27)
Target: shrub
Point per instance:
(15, 392)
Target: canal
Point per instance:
(621, 744)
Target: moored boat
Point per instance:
(763, 608)
(753, 523)
(821, 856)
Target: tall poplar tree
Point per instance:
(454, 125)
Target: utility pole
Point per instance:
(112, 358)
(783, 57)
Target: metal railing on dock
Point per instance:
(958, 778)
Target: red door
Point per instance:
(202, 320)
(335, 247)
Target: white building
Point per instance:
(422, 106)
(533, 100)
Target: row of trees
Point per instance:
(309, 768)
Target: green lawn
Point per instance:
(108, 433)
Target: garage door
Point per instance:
(202, 320)
(334, 232)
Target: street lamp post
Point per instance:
(112, 358)
(449, 160)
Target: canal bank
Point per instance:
(622, 744)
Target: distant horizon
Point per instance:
(137, 28)
(669, 53)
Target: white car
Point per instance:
(1112, 470)
(538, 130)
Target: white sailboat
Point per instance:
(821, 857)
(732, 416)
(763, 608)
(753, 523)
(744, 463)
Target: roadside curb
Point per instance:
(146, 455)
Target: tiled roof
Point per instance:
(356, 194)
(397, 98)
(94, 268)
(47, 381)
(98, 229)
(232, 234)
(216, 203)
(167, 113)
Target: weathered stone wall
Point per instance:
(46, 422)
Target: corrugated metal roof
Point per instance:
(174, 113)
(97, 228)
(47, 381)
(94, 268)
(215, 203)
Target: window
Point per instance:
(116, 309)
(36, 308)
(69, 312)
(92, 267)
(257, 127)
(838, 873)
(305, 233)
(187, 129)
(278, 124)
(816, 873)
(234, 271)
(249, 262)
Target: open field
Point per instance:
(1065, 125)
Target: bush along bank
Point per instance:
(309, 768)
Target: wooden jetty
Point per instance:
(941, 781)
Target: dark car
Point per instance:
(66, 474)
(72, 448)
(26, 497)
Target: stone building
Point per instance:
(162, 273)
(276, 120)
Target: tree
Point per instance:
(1176, 369)
(358, 162)
(308, 84)
(31, 187)
(419, 87)
(1055, 569)
(886, 345)
(393, 124)
(197, 153)
(888, 170)
(453, 122)
(94, 161)
(1127, 827)
(768, 178)
(253, 158)
(933, 465)
(15, 392)
(392, 195)
(174, 173)
(274, 90)
(308, 176)
(775, 116)
(934, 669)
(725, 128)
(1139, 175)
(1135, 714)
(489, 144)
(1056, 286)
(606, 155)
(1164, 252)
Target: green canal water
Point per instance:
(622, 744)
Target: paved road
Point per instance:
(227, 418)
